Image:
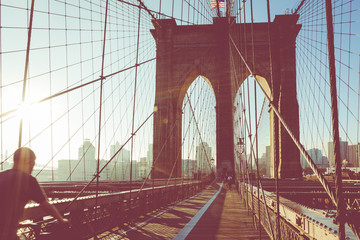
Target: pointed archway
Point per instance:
(185, 52)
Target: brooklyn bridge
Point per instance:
(185, 119)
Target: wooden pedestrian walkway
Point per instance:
(227, 218)
(215, 213)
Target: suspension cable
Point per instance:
(197, 127)
(162, 147)
(276, 129)
(26, 67)
(298, 8)
(134, 103)
(148, 11)
(253, 153)
(335, 123)
(100, 103)
(256, 130)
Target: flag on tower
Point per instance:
(214, 4)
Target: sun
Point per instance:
(24, 110)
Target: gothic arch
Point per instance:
(185, 52)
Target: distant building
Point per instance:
(316, 156)
(189, 168)
(122, 156)
(69, 170)
(343, 152)
(87, 161)
(353, 155)
(268, 165)
(325, 162)
(135, 170)
(6, 165)
(120, 165)
(203, 157)
(149, 155)
(76, 170)
(143, 168)
(84, 168)
(45, 175)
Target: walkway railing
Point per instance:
(296, 221)
(90, 216)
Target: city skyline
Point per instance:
(84, 167)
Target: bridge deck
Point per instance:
(215, 213)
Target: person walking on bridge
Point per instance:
(229, 181)
(17, 187)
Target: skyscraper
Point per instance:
(353, 154)
(87, 160)
(203, 157)
(120, 163)
(149, 154)
(343, 152)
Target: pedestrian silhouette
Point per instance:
(17, 187)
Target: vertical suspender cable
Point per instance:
(242, 134)
(188, 18)
(100, 107)
(26, 66)
(250, 157)
(335, 122)
(197, 127)
(67, 85)
(193, 19)
(251, 146)
(276, 128)
(82, 91)
(134, 102)
(244, 118)
(249, 121)
(159, 8)
(245, 155)
(241, 119)
(182, 11)
(51, 104)
(256, 130)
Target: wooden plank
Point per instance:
(226, 218)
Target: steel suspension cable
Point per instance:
(134, 102)
(252, 152)
(67, 79)
(246, 126)
(161, 149)
(26, 67)
(276, 129)
(300, 147)
(100, 110)
(255, 102)
(197, 127)
(340, 217)
(51, 103)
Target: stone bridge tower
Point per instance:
(185, 52)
